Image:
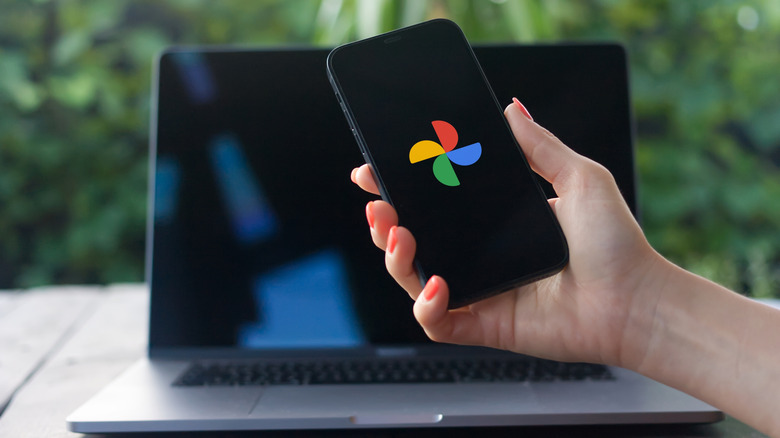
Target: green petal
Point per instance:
(443, 171)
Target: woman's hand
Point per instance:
(580, 314)
(617, 302)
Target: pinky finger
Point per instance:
(458, 326)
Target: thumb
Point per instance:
(547, 155)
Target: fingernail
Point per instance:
(522, 108)
(353, 175)
(370, 214)
(392, 239)
(431, 288)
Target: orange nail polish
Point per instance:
(431, 288)
(522, 109)
(370, 214)
(392, 239)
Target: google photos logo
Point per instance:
(445, 153)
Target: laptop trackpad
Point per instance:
(393, 404)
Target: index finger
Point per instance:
(363, 177)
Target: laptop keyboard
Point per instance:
(389, 371)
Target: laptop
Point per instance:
(270, 305)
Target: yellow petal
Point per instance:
(422, 150)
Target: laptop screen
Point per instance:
(258, 238)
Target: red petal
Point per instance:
(448, 136)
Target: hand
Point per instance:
(580, 314)
(617, 302)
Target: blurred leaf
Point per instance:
(75, 91)
(70, 46)
(15, 83)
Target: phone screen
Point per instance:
(445, 158)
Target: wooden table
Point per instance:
(60, 345)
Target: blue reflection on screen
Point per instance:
(196, 76)
(304, 304)
(249, 210)
(166, 188)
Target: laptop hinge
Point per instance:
(395, 352)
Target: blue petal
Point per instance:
(467, 155)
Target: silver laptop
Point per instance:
(270, 306)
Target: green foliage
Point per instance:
(74, 104)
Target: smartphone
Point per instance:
(442, 153)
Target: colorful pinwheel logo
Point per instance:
(445, 153)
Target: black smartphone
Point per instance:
(443, 155)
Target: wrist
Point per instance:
(687, 332)
(683, 334)
(694, 335)
(649, 300)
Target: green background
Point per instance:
(74, 107)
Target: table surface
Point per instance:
(60, 345)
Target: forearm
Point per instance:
(714, 344)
